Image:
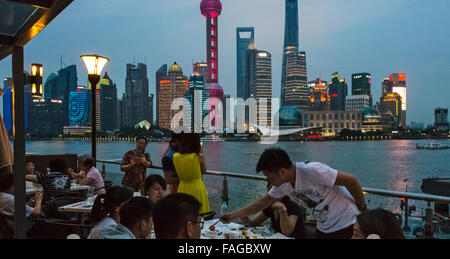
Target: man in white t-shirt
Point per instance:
(335, 197)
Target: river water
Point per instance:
(383, 164)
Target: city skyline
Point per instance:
(380, 37)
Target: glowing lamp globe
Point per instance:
(94, 63)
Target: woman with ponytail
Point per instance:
(105, 211)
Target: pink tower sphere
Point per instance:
(213, 7)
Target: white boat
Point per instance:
(432, 146)
(212, 138)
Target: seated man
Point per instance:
(135, 221)
(176, 216)
(7, 208)
(286, 217)
(56, 183)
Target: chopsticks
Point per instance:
(76, 205)
(214, 224)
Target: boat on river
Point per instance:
(432, 146)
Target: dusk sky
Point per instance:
(348, 36)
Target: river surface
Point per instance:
(377, 164)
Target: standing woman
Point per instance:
(190, 165)
(135, 164)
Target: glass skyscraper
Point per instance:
(244, 36)
(294, 89)
(79, 108)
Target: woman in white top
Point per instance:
(105, 211)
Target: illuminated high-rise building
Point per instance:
(391, 107)
(196, 98)
(79, 108)
(386, 86)
(171, 87)
(294, 90)
(211, 9)
(106, 103)
(258, 83)
(200, 68)
(398, 81)
(361, 84)
(320, 99)
(135, 101)
(160, 73)
(338, 90)
(244, 36)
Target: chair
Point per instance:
(6, 232)
(50, 208)
(63, 228)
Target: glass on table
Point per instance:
(90, 197)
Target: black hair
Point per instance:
(152, 179)
(171, 213)
(57, 165)
(381, 222)
(106, 203)
(87, 160)
(6, 179)
(142, 137)
(177, 136)
(272, 160)
(135, 210)
(190, 143)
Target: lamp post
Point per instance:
(94, 65)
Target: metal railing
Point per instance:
(428, 230)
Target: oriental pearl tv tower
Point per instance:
(211, 9)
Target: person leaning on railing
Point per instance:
(335, 197)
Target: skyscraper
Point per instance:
(391, 108)
(293, 75)
(244, 36)
(67, 82)
(196, 97)
(135, 101)
(171, 87)
(79, 107)
(361, 84)
(398, 81)
(258, 79)
(108, 103)
(440, 119)
(295, 90)
(160, 73)
(338, 90)
(199, 68)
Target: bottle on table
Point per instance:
(224, 208)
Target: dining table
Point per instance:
(237, 231)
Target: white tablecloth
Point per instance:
(237, 231)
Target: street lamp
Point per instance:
(94, 65)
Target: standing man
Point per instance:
(335, 197)
(135, 164)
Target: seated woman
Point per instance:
(155, 187)
(30, 168)
(286, 217)
(105, 211)
(89, 175)
(190, 165)
(7, 208)
(377, 224)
